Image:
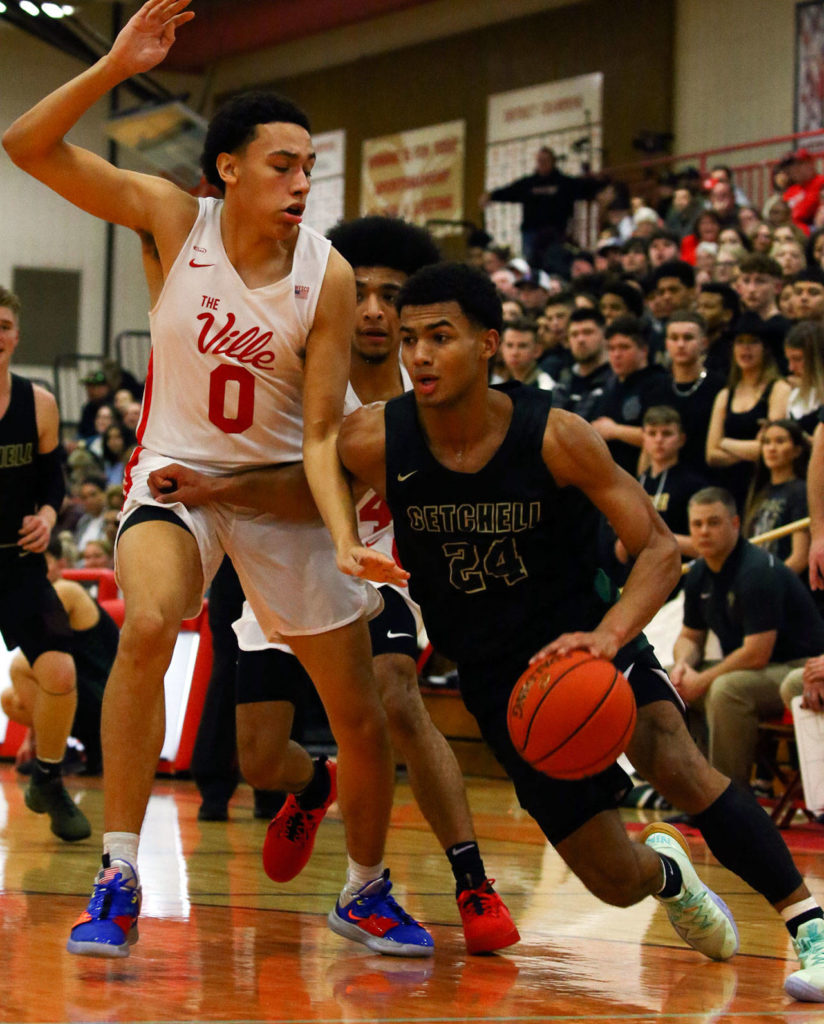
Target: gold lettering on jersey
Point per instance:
(14, 455)
(483, 517)
(243, 346)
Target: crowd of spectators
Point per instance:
(691, 337)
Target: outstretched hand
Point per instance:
(147, 36)
(372, 565)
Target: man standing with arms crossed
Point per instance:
(251, 332)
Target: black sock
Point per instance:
(467, 866)
(745, 840)
(317, 792)
(795, 923)
(45, 771)
(672, 877)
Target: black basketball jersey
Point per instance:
(94, 650)
(18, 461)
(502, 560)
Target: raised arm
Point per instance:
(577, 457)
(36, 143)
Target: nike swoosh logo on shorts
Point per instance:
(199, 265)
(405, 476)
(392, 636)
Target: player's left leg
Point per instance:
(339, 663)
(737, 831)
(438, 787)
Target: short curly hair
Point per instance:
(469, 287)
(233, 126)
(378, 241)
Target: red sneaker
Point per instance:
(487, 923)
(291, 834)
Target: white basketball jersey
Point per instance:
(374, 518)
(225, 381)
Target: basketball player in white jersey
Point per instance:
(383, 252)
(250, 333)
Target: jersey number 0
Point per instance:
(231, 398)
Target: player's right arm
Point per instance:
(577, 456)
(36, 140)
(362, 446)
(282, 491)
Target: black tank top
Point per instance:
(18, 461)
(502, 560)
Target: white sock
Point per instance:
(357, 876)
(797, 909)
(122, 846)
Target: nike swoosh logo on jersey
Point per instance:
(197, 266)
(393, 636)
(405, 476)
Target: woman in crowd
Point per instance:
(707, 228)
(117, 448)
(804, 348)
(755, 392)
(778, 493)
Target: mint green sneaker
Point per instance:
(700, 917)
(807, 985)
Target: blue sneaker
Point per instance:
(108, 926)
(375, 919)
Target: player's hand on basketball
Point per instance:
(175, 483)
(147, 36)
(34, 534)
(599, 643)
(371, 565)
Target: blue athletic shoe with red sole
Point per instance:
(374, 918)
(108, 926)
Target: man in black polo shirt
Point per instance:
(765, 620)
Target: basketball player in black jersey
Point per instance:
(31, 615)
(492, 496)
(94, 645)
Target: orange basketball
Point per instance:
(571, 717)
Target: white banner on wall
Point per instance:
(565, 115)
(417, 175)
(324, 208)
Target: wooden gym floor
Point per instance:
(219, 942)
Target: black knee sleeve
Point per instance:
(744, 839)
